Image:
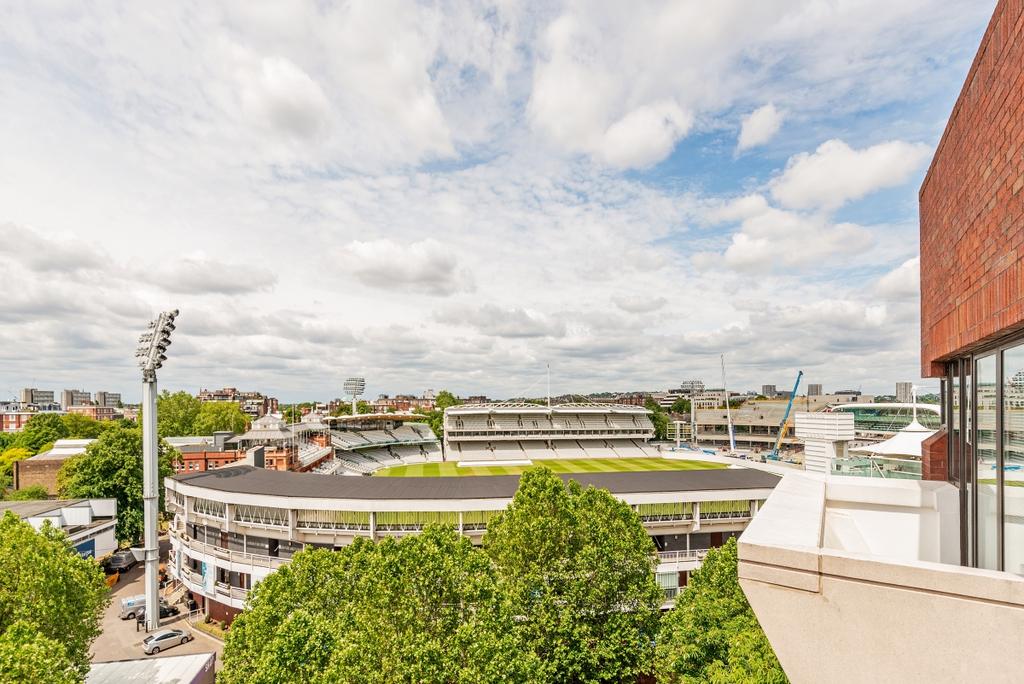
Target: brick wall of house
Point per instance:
(972, 204)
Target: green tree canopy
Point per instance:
(83, 427)
(577, 568)
(414, 610)
(32, 493)
(435, 417)
(681, 405)
(658, 417)
(42, 428)
(7, 460)
(215, 416)
(111, 467)
(712, 635)
(176, 414)
(51, 601)
(28, 657)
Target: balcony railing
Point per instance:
(680, 556)
(232, 556)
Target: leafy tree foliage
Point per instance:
(32, 493)
(111, 467)
(51, 601)
(435, 417)
(658, 417)
(83, 427)
(215, 416)
(416, 610)
(577, 568)
(712, 635)
(42, 428)
(28, 657)
(681, 405)
(176, 414)
(7, 460)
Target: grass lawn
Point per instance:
(576, 465)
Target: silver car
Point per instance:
(164, 639)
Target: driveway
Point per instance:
(119, 639)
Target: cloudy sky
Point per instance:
(456, 194)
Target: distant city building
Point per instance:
(199, 454)
(768, 391)
(14, 419)
(253, 404)
(109, 399)
(402, 402)
(709, 399)
(94, 412)
(814, 390)
(904, 392)
(71, 397)
(31, 395)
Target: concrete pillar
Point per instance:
(229, 511)
(293, 519)
(696, 515)
(373, 525)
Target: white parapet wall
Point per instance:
(854, 580)
(826, 437)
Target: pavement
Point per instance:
(119, 639)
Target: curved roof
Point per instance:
(526, 407)
(906, 442)
(251, 480)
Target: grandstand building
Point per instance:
(361, 452)
(515, 432)
(233, 526)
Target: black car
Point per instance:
(165, 611)
(120, 561)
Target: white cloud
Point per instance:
(759, 127)
(902, 282)
(645, 136)
(492, 320)
(425, 266)
(639, 303)
(835, 173)
(286, 98)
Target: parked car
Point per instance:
(131, 605)
(165, 611)
(120, 561)
(165, 639)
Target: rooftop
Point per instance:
(525, 407)
(250, 480)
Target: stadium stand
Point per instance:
(516, 431)
(362, 452)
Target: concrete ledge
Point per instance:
(780, 576)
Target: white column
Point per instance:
(696, 515)
(150, 502)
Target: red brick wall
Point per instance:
(934, 463)
(972, 204)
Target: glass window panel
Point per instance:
(1013, 460)
(953, 423)
(966, 456)
(985, 463)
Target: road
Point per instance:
(119, 639)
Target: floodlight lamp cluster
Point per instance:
(355, 386)
(154, 343)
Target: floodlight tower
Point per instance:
(150, 354)
(355, 387)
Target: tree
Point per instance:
(658, 417)
(681, 406)
(415, 609)
(435, 417)
(577, 569)
(32, 493)
(51, 602)
(111, 467)
(176, 414)
(28, 657)
(42, 428)
(215, 416)
(712, 635)
(82, 427)
(7, 461)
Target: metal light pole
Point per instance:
(355, 387)
(150, 354)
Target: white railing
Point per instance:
(680, 556)
(233, 556)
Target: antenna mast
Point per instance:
(548, 365)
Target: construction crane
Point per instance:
(784, 425)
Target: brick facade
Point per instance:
(972, 205)
(934, 461)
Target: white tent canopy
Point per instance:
(906, 442)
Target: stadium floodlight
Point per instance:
(153, 345)
(354, 387)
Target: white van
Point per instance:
(130, 605)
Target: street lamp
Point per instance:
(354, 387)
(150, 355)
